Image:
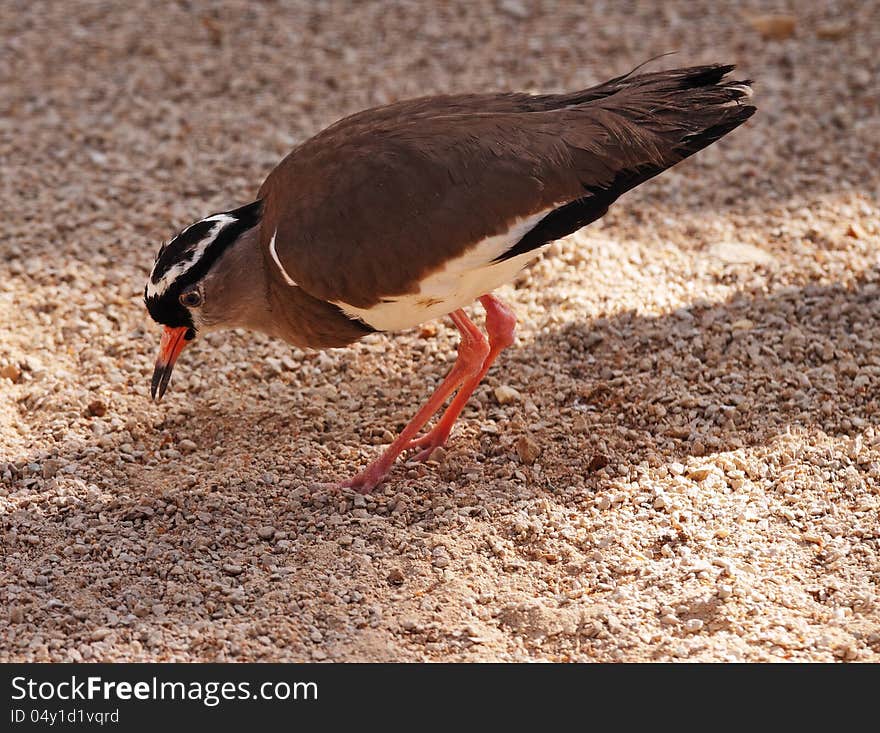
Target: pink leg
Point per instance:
(500, 325)
(472, 351)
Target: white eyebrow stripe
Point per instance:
(223, 220)
(287, 278)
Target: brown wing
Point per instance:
(368, 207)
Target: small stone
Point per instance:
(597, 462)
(97, 408)
(266, 533)
(855, 231)
(580, 425)
(51, 467)
(232, 569)
(833, 31)
(693, 625)
(725, 591)
(505, 395)
(272, 366)
(16, 614)
(441, 561)
(187, 445)
(10, 372)
(773, 26)
(514, 8)
(386, 437)
(740, 253)
(660, 502)
(439, 454)
(396, 576)
(699, 473)
(345, 540)
(327, 392)
(743, 324)
(527, 450)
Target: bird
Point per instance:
(410, 212)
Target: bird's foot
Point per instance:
(367, 480)
(429, 442)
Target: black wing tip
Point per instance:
(685, 77)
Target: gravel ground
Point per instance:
(678, 459)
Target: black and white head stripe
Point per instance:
(188, 257)
(185, 250)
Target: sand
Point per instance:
(678, 459)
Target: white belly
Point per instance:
(459, 283)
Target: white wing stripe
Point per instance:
(287, 278)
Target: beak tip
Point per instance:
(173, 342)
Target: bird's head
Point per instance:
(184, 293)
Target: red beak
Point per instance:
(173, 342)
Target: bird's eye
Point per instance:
(191, 298)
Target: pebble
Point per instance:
(266, 532)
(396, 576)
(10, 372)
(232, 569)
(739, 253)
(527, 450)
(506, 395)
(97, 408)
(699, 473)
(51, 467)
(187, 446)
(834, 31)
(514, 8)
(693, 625)
(580, 425)
(773, 26)
(855, 231)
